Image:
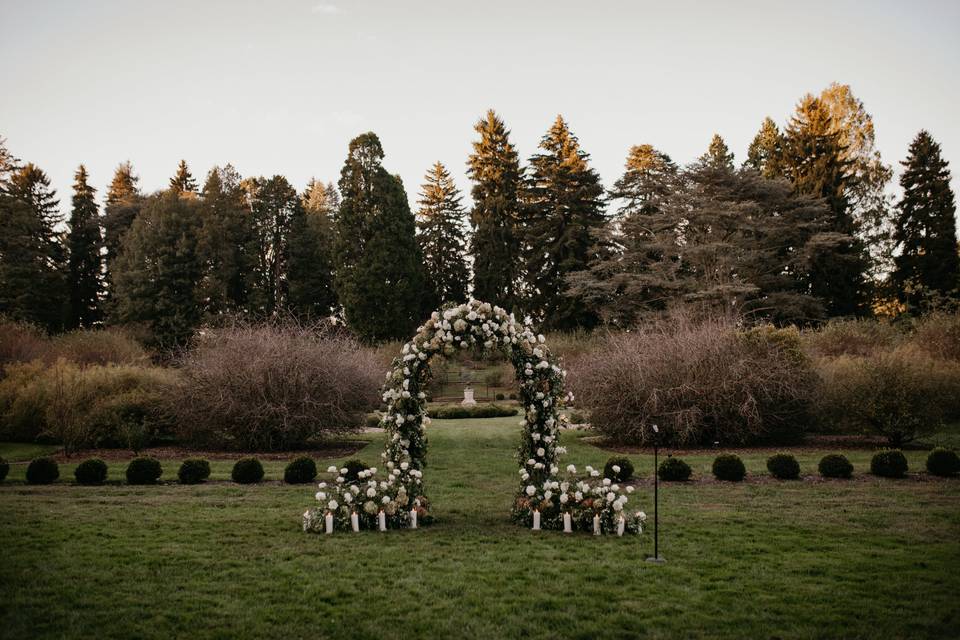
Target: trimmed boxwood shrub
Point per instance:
(247, 471)
(889, 463)
(835, 465)
(674, 470)
(144, 470)
(300, 471)
(193, 471)
(354, 467)
(42, 471)
(500, 396)
(91, 472)
(459, 411)
(622, 473)
(783, 466)
(943, 462)
(4, 469)
(729, 466)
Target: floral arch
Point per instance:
(546, 498)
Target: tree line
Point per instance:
(804, 229)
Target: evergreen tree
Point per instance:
(494, 168)
(182, 182)
(120, 210)
(626, 283)
(274, 205)
(563, 214)
(380, 278)
(928, 266)
(158, 274)
(441, 237)
(813, 159)
(310, 274)
(763, 155)
(718, 154)
(8, 164)
(226, 238)
(85, 264)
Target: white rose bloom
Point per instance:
(355, 489)
(547, 494)
(348, 498)
(617, 506)
(372, 470)
(541, 452)
(629, 489)
(332, 505)
(564, 498)
(404, 465)
(564, 486)
(578, 495)
(321, 496)
(610, 497)
(322, 485)
(616, 468)
(571, 468)
(344, 471)
(331, 469)
(531, 490)
(525, 477)
(371, 492)
(385, 500)
(589, 469)
(531, 462)
(606, 482)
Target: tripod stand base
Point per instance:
(657, 560)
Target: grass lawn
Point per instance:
(804, 559)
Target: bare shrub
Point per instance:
(99, 346)
(699, 382)
(273, 387)
(939, 335)
(852, 337)
(900, 394)
(20, 342)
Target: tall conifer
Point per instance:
(440, 222)
(84, 241)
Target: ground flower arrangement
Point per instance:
(545, 500)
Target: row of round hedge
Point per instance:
(888, 463)
(146, 470)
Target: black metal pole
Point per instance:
(656, 504)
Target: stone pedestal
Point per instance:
(468, 396)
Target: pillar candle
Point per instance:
(413, 518)
(620, 526)
(329, 521)
(355, 522)
(536, 521)
(596, 525)
(382, 519)
(567, 523)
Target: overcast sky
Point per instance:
(282, 87)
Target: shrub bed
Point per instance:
(618, 469)
(42, 471)
(91, 472)
(835, 465)
(460, 411)
(144, 470)
(943, 462)
(783, 466)
(247, 471)
(674, 470)
(269, 388)
(193, 471)
(889, 463)
(300, 471)
(729, 467)
(700, 383)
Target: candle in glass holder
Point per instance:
(329, 522)
(596, 525)
(620, 526)
(567, 523)
(536, 521)
(413, 518)
(382, 520)
(355, 522)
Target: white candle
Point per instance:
(413, 518)
(382, 518)
(536, 520)
(329, 521)
(355, 522)
(567, 523)
(620, 526)
(596, 525)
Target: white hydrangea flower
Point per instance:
(371, 492)
(571, 468)
(331, 469)
(531, 490)
(547, 494)
(578, 495)
(630, 489)
(564, 498)
(332, 505)
(321, 496)
(616, 468)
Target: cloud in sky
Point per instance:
(325, 8)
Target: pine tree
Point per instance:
(85, 263)
(226, 237)
(8, 164)
(120, 210)
(274, 205)
(625, 284)
(494, 168)
(182, 182)
(310, 274)
(928, 266)
(440, 222)
(159, 273)
(813, 159)
(563, 215)
(763, 155)
(380, 278)
(718, 154)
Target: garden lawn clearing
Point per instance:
(784, 559)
